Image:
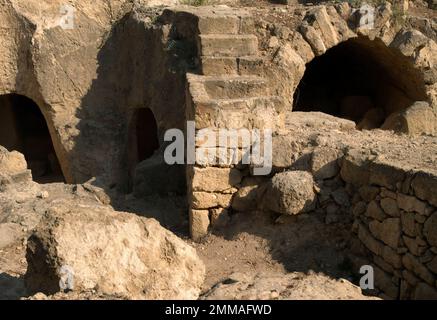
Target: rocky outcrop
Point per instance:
(78, 238)
(82, 248)
(10, 233)
(78, 76)
(292, 286)
(35, 69)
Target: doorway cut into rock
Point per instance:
(146, 134)
(23, 128)
(361, 80)
(143, 138)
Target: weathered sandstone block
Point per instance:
(219, 217)
(199, 224)
(205, 200)
(212, 179)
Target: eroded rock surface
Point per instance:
(113, 253)
(293, 286)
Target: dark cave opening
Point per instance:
(23, 128)
(361, 80)
(146, 134)
(143, 139)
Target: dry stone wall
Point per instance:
(395, 218)
(387, 202)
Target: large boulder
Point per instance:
(13, 170)
(417, 119)
(372, 119)
(290, 192)
(88, 247)
(12, 163)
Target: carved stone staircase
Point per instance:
(226, 92)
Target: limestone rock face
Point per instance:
(287, 57)
(291, 193)
(95, 248)
(9, 233)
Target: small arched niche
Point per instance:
(143, 138)
(23, 128)
(361, 80)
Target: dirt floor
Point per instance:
(256, 242)
(252, 244)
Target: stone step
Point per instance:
(233, 87)
(248, 104)
(214, 66)
(228, 45)
(219, 24)
(253, 65)
(246, 65)
(256, 112)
